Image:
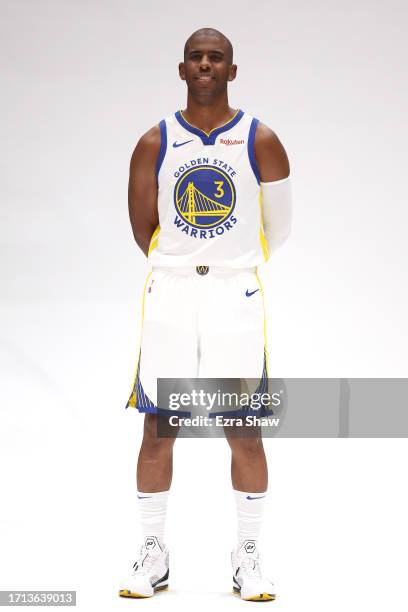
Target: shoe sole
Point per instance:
(260, 597)
(127, 593)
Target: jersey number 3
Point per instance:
(220, 192)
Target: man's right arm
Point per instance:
(143, 188)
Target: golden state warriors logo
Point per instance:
(204, 198)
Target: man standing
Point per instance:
(209, 199)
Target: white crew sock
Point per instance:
(250, 509)
(153, 508)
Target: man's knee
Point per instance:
(245, 446)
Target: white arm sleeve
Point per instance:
(276, 211)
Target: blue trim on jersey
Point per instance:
(251, 149)
(163, 145)
(209, 139)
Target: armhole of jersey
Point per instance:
(163, 146)
(251, 149)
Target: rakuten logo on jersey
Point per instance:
(228, 141)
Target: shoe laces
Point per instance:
(250, 566)
(145, 562)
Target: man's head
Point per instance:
(207, 65)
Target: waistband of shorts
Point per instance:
(212, 270)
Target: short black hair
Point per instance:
(211, 32)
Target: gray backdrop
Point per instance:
(81, 80)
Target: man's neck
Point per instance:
(207, 117)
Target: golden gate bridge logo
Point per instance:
(204, 196)
(193, 204)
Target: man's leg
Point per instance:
(234, 347)
(249, 470)
(155, 462)
(168, 350)
(154, 473)
(249, 474)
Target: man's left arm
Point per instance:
(273, 165)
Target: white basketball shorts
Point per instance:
(199, 325)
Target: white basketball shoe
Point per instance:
(247, 578)
(150, 573)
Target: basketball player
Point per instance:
(209, 199)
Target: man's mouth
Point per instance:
(204, 77)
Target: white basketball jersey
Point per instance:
(209, 196)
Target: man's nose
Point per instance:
(205, 62)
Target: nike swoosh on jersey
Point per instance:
(248, 294)
(144, 496)
(180, 144)
(260, 497)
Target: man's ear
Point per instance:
(181, 71)
(232, 72)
